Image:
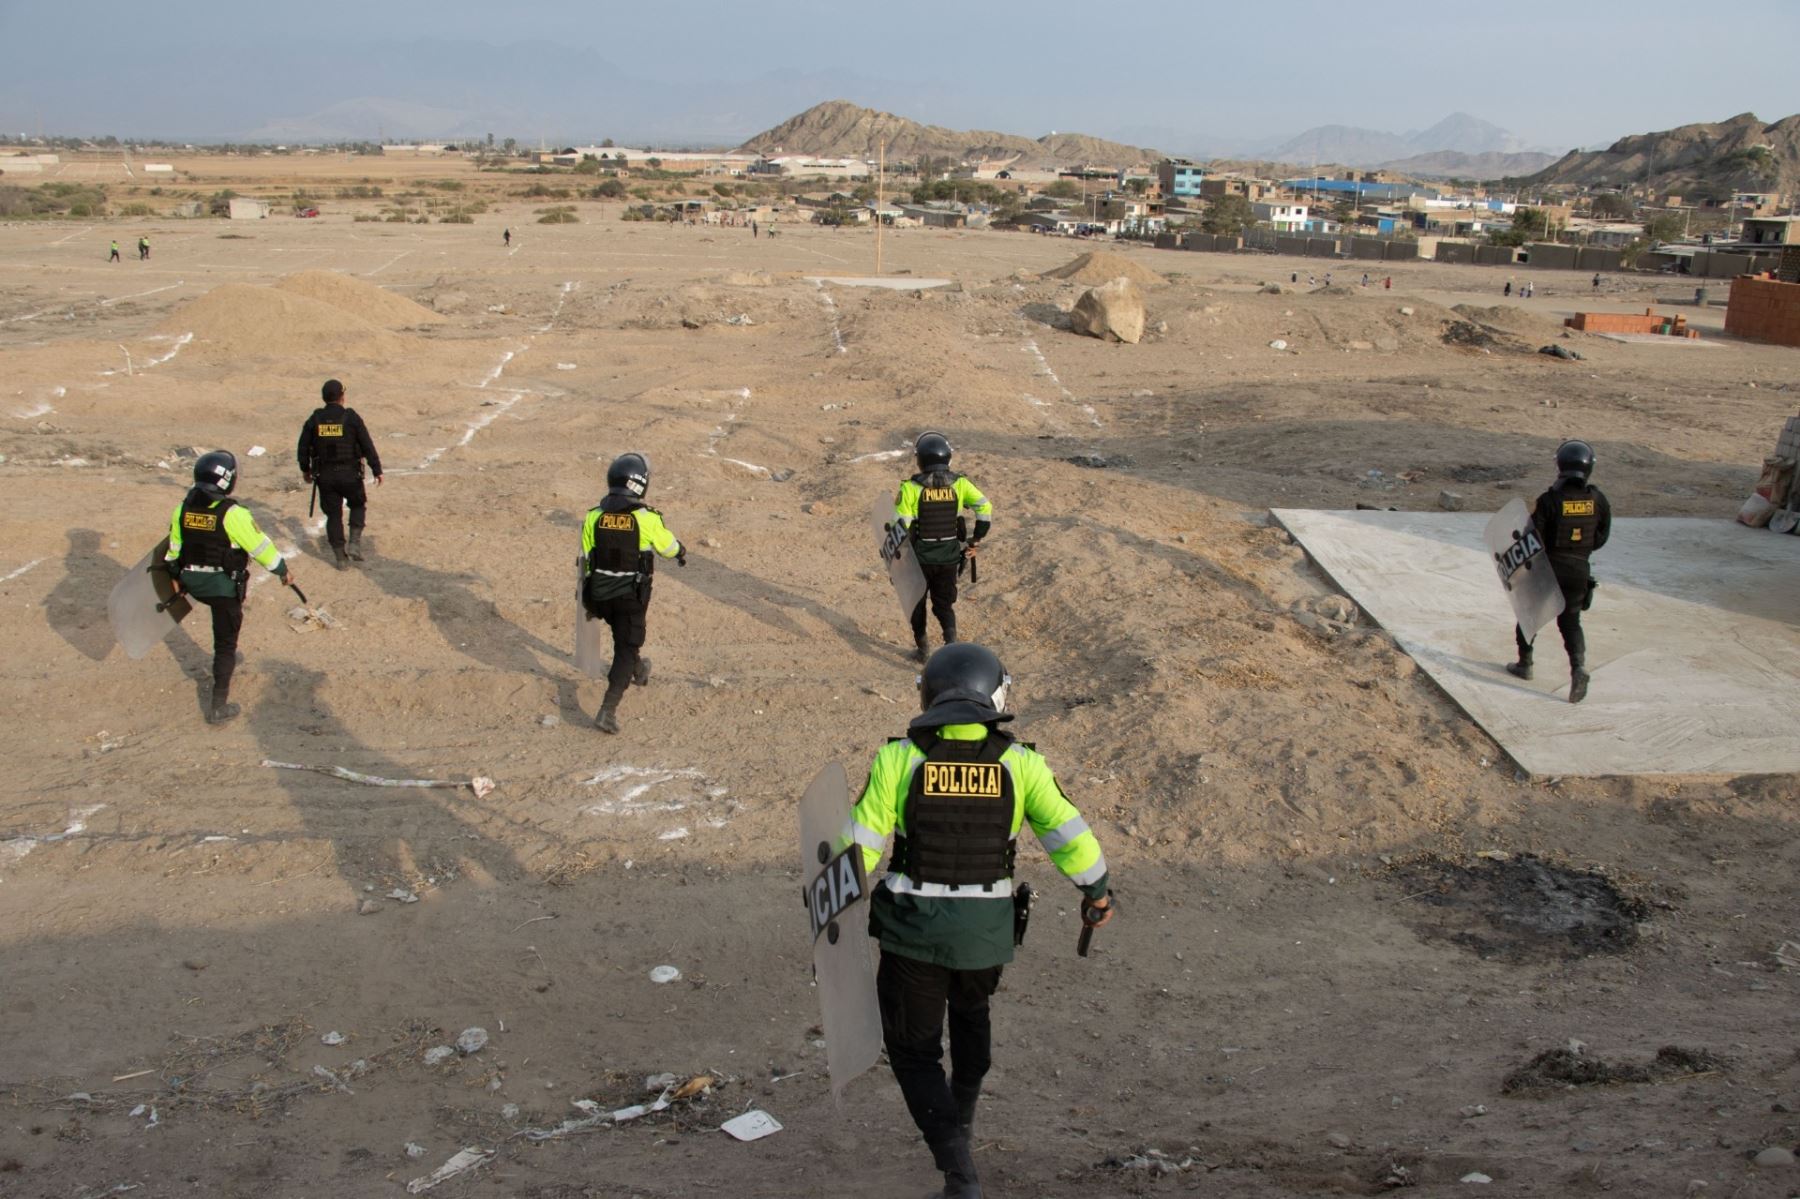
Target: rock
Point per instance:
(1272, 289)
(816, 508)
(1451, 501)
(1406, 311)
(1278, 344)
(1162, 327)
(1362, 345)
(711, 543)
(414, 1150)
(195, 964)
(782, 475)
(1474, 1176)
(1338, 1140)
(471, 1040)
(437, 1055)
(688, 322)
(1091, 461)
(550, 720)
(333, 1038)
(1773, 1157)
(1114, 311)
(1336, 608)
(368, 907)
(509, 1111)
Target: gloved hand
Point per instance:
(306, 476)
(1096, 912)
(681, 555)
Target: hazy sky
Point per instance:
(1176, 76)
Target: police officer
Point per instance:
(212, 539)
(334, 444)
(929, 508)
(953, 793)
(620, 541)
(1574, 520)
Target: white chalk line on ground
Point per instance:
(390, 262)
(1044, 369)
(632, 796)
(18, 847)
(71, 236)
(501, 408)
(7, 578)
(72, 309)
(837, 335)
(179, 341)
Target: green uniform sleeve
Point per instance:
(970, 497)
(587, 538)
(906, 503)
(1057, 825)
(240, 526)
(654, 535)
(877, 812)
(174, 535)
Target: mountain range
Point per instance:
(1459, 133)
(1701, 161)
(840, 129)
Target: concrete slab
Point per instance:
(890, 282)
(1693, 639)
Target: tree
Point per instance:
(1228, 215)
(609, 189)
(654, 164)
(1611, 206)
(607, 143)
(1137, 186)
(510, 144)
(1063, 189)
(1664, 227)
(589, 165)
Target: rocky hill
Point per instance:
(1694, 161)
(1352, 146)
(1450, 164)
(840, 129)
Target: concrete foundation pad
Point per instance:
(1659, 339)
(1693, 639)
(891, 282)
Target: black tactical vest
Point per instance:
(1575, 511)
(334, 439)
(959, 810)
(616, 566)
(204, 542)
(938, 506)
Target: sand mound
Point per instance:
(374, 304)
(266, 322)
(1099, 267)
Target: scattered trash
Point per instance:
(565, 366)
(638, 1110)
(333, 1038)
(509, 1111)
(464, 1161)
(1473, 1110)
(145, 1109)
(403, 895)
(1566, 353)
(368, 907)
(751, 1126)
(1152, 1160)
(1451, 501)
(305, 618)
(1474, 1176)
(1406, 311)
(659, 1082)
(1493, 855)
(330, 1076)
(1787, 955)
(437, 1055)
(664, 974)
(257, 451)
(414, 1150)
(471, 1040)
(482, 787)
(700, 1084)
(740, 319)
(1278, 344)
(370, 779)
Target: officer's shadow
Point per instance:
(76, 610)
(772, 605)
(399, 836)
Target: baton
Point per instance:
(1087, 939)
(974, 571)
(302, 596)
(314, 499)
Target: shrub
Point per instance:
(609, 189)
(456, 218)
(560, 215)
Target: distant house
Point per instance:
(1179, 177)
(1218, 188)
(242, 209)
(1282, 217)
(935, 216)
(1770, 231)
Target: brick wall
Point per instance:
(1628, 322)
(1763, 309)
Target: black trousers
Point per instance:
(940, 589)
(914, 997)
(227, 623)
(333, 495)
(1573, 577)
(627, 617)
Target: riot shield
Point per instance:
(897, 554)
(590, 634)
(1524, 567)
(837, 906)
(143, 606)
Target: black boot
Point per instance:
(608, 719)
(340, 557)
(921, 650)
(356, 545)
(1578, 682)
(641, 675)
(222, 710)
(949, 634)
(1520, 669)
(956, 1159)
(965, 1109)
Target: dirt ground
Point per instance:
(1346, 920)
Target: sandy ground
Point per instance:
(1315, 985)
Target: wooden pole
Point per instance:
(880, 196)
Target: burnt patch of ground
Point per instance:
(1520, 908)
(1560, 1069)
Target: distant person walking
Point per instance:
(1365, 282)
(143, 249)
(1388, 283)
(506, 238)
(1596, 280)
(114, 256)
(1508, 289)
(754, 230)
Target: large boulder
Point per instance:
(1114, 311)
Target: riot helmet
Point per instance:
(629, 474)
(932, 451)
(963, 683)
(215, 473)
(1575, 460)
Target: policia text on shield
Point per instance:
(953, 795)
